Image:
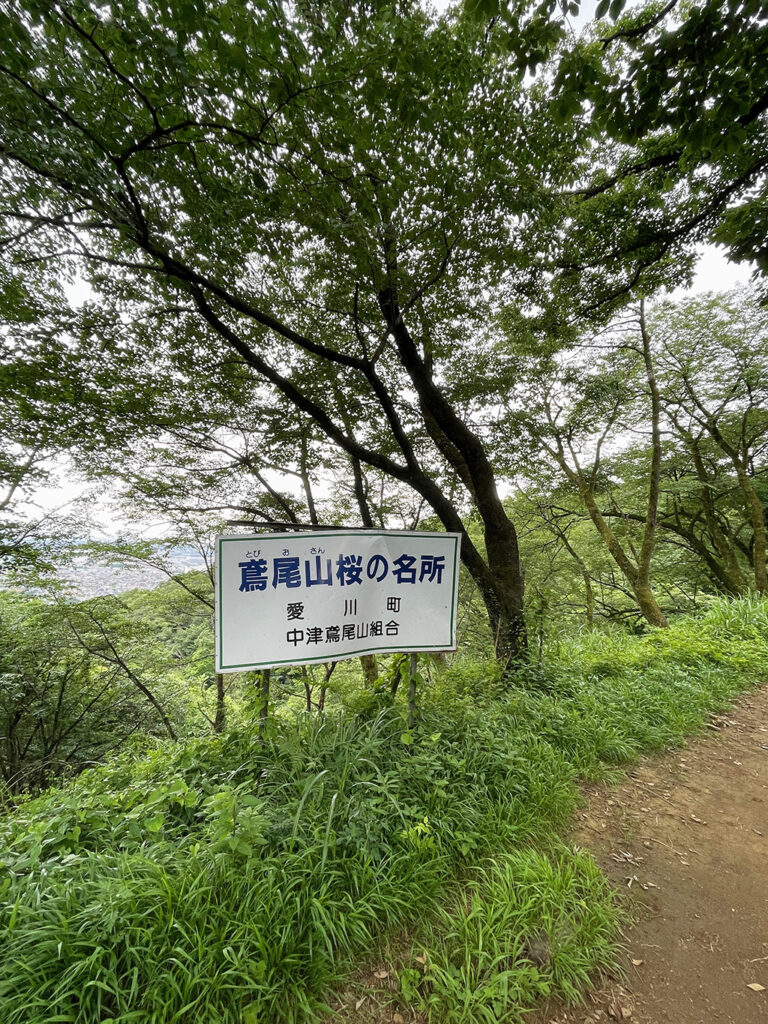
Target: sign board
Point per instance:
(284, 599)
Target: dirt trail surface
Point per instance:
(688, 832)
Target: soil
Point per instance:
(685, 838)
(688, 833)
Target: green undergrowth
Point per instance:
(529, 924)
(227, 880)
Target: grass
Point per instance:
(528, 925)
(227, 881)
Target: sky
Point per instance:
(715, 273)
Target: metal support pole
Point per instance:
(412, 689)
(264, 709)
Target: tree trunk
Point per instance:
(412, 667)
(501, 580)
(367, 661)
(641, 588)
(307, 681)
(649, 606)
(306, 482)
(637, 572)
(590, 595)
(370, 669)
(328, 668)
(588, 588)
(739, 456)
(505, 600)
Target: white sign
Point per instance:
(285, 599)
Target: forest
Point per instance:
(288, 266)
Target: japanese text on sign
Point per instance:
(320, 597)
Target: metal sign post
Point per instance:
(412, 690)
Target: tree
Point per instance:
(60, 709)
(327, 204)
(196, 588)
(715, 355)
(288, 187)
(576, 407)
(658, 430)
(28, 443)
(681, 90)
(103, 628)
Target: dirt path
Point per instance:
(688, 832)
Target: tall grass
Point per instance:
(228, 880)
(233, 881)
(528, 925)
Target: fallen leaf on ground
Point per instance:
(637, 963)
(359, 1002)
(756, 988)
(398, 1019)
(381, 974)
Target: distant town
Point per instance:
(95, 579)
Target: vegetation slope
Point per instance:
(238, 879)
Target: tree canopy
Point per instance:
(316, 215)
